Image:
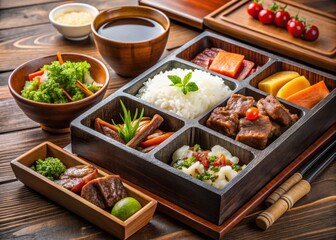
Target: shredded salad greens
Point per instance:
(58, 78)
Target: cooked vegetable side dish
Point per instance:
(251, 125)
(60, 82)
(216, 167)
(104, 192)
(294, 88)
(141, 133)
(188, 93)
(49, 167)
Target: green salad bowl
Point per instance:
(56, 118)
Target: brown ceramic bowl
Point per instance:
(56, 117)
(131, 58)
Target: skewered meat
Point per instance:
(223, 121)
(239, 104)
(255, 133)
(74, 178)
(104, 192)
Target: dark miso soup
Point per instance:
(135, 29)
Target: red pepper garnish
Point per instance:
(35, 74)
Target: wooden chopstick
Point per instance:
(297, 177)
(299, 190)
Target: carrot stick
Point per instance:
(59, 56)
(157, 140)
(31, 76)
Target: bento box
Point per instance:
(75, 203)
(152, 170)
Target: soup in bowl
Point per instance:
(131, 38)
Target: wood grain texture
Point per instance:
(232, 19)
(190, 12)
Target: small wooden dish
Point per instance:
(73, 202)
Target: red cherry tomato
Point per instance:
(254, 8)
(281, 18)
(252, 113)
(311, 33)
(295, 27)
(266, 16)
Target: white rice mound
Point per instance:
(157, 90)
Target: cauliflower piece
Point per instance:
(194, 170)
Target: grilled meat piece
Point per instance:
(254, 133)
(104, 192)
(239, 104)
(223, 121)
(205, 58)
(145, 131)
(74, 178)
(244, 70)
(277, 111)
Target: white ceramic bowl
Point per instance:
(73, 32)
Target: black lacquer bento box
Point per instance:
(152, 170)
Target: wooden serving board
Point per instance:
(218, 231)
(190, 12)
(232, 19)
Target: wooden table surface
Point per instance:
(25, 33)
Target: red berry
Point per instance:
(254, 8)
(266, 16)
(311, 33)
(281, 18)
(295, 27)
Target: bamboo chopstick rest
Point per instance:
(283, 188)
(270, 215)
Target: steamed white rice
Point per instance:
(157, 90)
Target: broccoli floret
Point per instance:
(50, 167)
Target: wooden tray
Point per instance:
(75, 203)
(218, 232)
(153, 171)
(190, 12)
(232, 19)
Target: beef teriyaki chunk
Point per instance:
(254, 133)
(223, 121)
(276, 129)
(104, 192)
(277, 111)
(239, 104)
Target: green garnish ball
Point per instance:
(50, 167)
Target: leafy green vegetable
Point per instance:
(206, 176)
(184, 163)
(236, 167)
(185, 85)
(59, 76)
(127, 130)
(212, 159)
(50, 167)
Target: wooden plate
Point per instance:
(72, 201)
(190, 12)
(232, 19)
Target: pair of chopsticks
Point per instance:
(296, 187)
